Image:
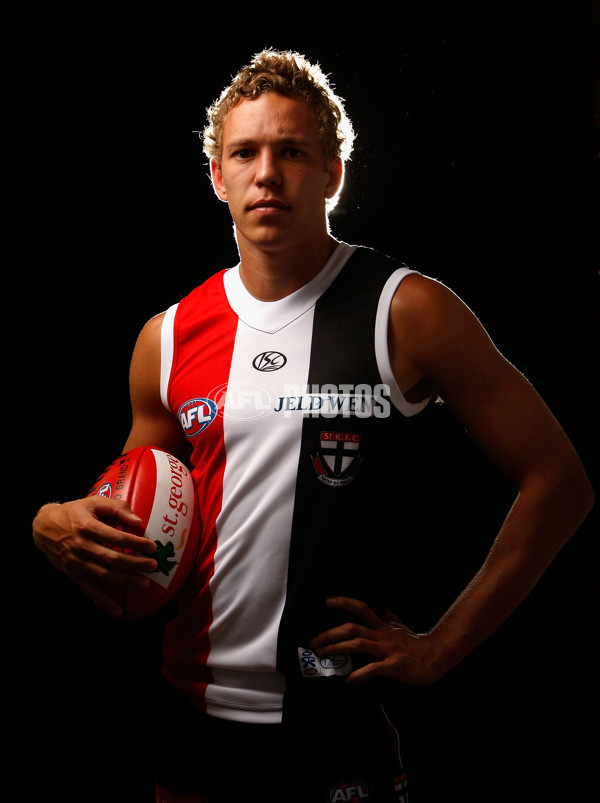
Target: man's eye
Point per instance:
(243, 153)
(294, 153)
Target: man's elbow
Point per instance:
(579, 494)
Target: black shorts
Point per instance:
(350, 756)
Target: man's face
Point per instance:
(272, 173)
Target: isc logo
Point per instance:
(349, 792)
(196, 414)
(269, 361)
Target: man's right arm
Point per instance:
(76, 536)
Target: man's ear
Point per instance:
(217, 179)
(335, 170)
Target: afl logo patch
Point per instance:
(269, 361)
(350, 791)
(195, 415)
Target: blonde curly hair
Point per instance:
(290, 74)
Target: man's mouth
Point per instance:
(268, 203)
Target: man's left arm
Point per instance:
(443, 343)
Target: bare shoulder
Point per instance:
(151, 331)
(423, 302)
(146, 353)
(432, 331)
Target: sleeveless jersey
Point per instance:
(296, 426)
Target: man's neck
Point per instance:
(271, 275)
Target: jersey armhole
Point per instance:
(167, 350)
(381, 346)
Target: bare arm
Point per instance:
(152, 423)
(75, 536)
(436, 341)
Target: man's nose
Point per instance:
(267, 169)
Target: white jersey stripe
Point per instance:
(254, 525)
(166, 353)
(381, 345)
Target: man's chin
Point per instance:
(267, 237)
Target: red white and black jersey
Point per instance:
(295, 422)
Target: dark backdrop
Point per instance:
(475, 163)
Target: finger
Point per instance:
(98, 560)
(120, 539)
(129, 580)
(364, 647)
(94, 583)
(106, 508)
(345, 638)
(367, 672)
(107, 521)
(356, 607)
(101, 599)
(114, 560)
(394, 621)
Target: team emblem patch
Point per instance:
(338, 458)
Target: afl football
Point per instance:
(160, 490)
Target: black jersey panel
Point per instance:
(350, 466)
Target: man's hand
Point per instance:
(86, 539)
(397, 652)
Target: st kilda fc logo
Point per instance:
(337, 459)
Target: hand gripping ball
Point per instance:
(160, 490)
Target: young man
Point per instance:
(311, 360)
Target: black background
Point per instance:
(476, 163)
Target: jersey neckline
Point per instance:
(271, 316)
